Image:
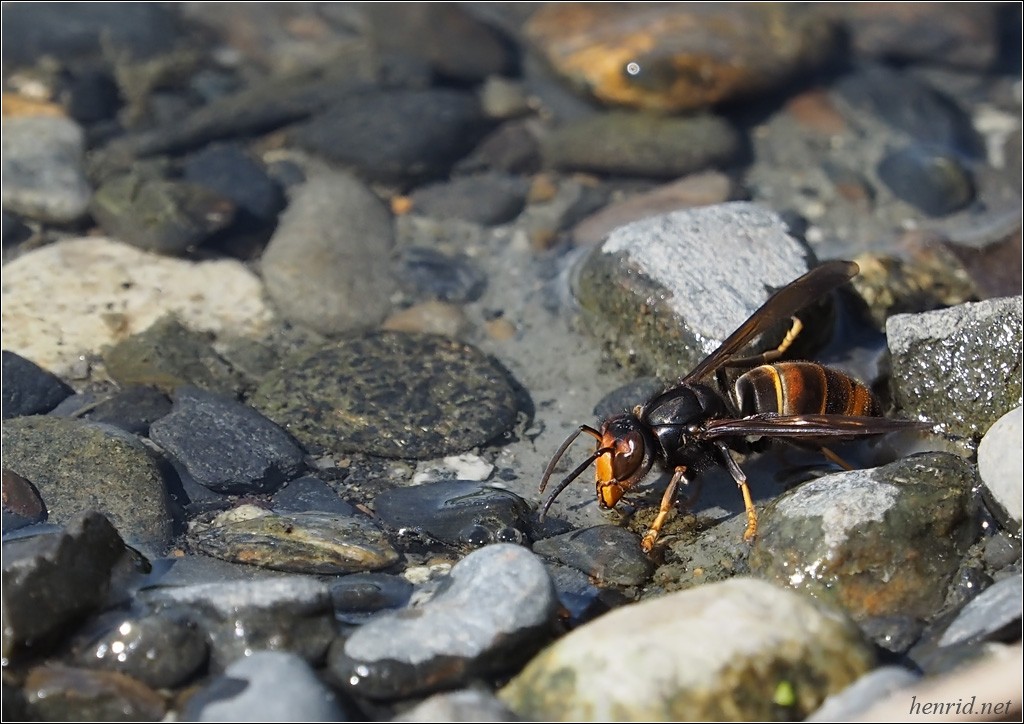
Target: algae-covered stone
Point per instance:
(959, 367)
(84, 466)
(878, 542)
(664, 292)
(722, 651)
(397, 395)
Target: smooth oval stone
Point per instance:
(310, 542)
(717, 651)
(426, 273)
(56, 692)
(929, 179)
(1000, 465)
(84, 466)
(162, 650)
(358, 596)
(225, 445)
(495, 610)
(22, 504)
(487, 199)
(457, 511)
(44, 177)
(392, 394)
(607, 552)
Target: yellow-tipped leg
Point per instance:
(647, 544)
(751, 532)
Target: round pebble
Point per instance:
(1000, 464)
(931, 180)
(487, 199)
(56, 692)
(391, 394)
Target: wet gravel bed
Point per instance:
(300, 301)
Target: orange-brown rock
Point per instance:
(677, 56)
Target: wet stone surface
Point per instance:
(391, 394)
(499, 599)
(1000, 465)
(608, 553)
(359, 596)
(425, 273)
(56, 692)
(309, 542)
(878, 542)
(463, 512)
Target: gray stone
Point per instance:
(390, 394)
(327, 266)
(28, 389)
(494, 611)
(225, 445)
(56, 692)
(462, 705)
(42, 168)
(662, 293)
(959, 366)
(608, 553)
(54, 579)
(993, 611)
(877, 542)
(289, 613)
(863, 693)
(1001, 466)
(712, 652)
(271, 686)
(83, 466)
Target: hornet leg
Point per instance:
(741, 480)
(663, 511)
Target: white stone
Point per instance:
(77, 296)
(1001, 462)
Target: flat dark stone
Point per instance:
(607, 552)
(391, 394)
(28, 389)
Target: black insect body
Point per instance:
(702, 420)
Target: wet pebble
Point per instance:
(168, 355)
(637, 144)
(28, 389)
(877, 542)
(53, 312)
(430, 317)
(494, 610)
(742, 638)
(44, 178)
(163, 650)
(165, 216)
(358, 596)
(426, 273)
(265, 686)
(663, 292)
(512, 147)
(457, 511)
(289, 613)
(487, 199)
(22, 504)
(1000, 465)
(579, 597)
(677, 58)
(55, 579)
(327, 265)
(56, 692)
(225, 445)
(309, 493)
(390, 394)
(132, 409)
(608, 553)
(931, 180)
(310, 542)
(461, 705)
(994, 615)
(83, 466)
(395, 136)
(958, 366)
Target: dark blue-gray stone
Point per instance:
(989, 615)
(309, 493)
(225, 445)
(607, 552)
(933, 180)
(132, 409)
(28, 389)
(232, 172)
(426, 273)
(489, 198)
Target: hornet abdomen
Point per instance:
(803, 388)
